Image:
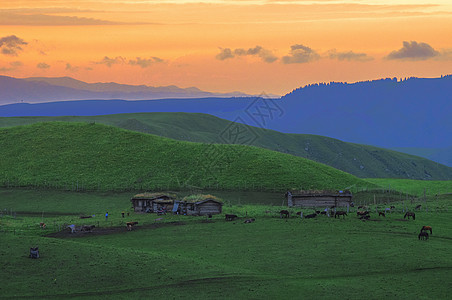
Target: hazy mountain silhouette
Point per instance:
(388, 113)
(42, 89)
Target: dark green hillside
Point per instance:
(95, 156)
(360, 160)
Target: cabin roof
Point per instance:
(320, 193)
(152, 196)
(199, 198)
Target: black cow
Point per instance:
(230, 217)
(311, 216)
(340, 213)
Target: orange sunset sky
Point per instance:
(223, 46)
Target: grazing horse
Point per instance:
(249, 221)
(284, 214)
(87, 228)
(380, 213)
(311, 216)
(230, 217)
(130, 225)
(427, 228)
(339, 214)
(418, 207)
(410, 214)
(423, 235)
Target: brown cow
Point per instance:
(130, 225)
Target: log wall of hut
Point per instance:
(320, 201)
(209, 207)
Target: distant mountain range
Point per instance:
(42, 89)
(388, 113)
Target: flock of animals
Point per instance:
(362, 213)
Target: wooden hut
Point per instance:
(152, 202)
(200, 205)
(319, 198)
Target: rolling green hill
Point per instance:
(99, 157)
(360, 160)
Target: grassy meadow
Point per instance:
(81, 156)
(360, 160)
(181, 257)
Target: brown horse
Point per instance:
(339, 214)
(380, 213)
(427, 228)
(410, 214)
(423, 235)
(284, 214)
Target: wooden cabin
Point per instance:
(319, 198)
(152, 202)
(200, 205)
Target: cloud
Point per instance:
(413, 51)
(264, 54)
(111, 61)
(16, 64)
(18, 19)
(42, 66)
(350, 55)
(144, 63)
(224, 54)
(11, 45)
(300, 54)
(71, 68)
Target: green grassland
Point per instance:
(81, 156)
(182, 257)
(415, 187)
(360, 160)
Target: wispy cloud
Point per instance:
(265, 54)
(71, 68)
(111, 61)
(414, 51)
(300, 54)
(11, 45)
(42, 66)
(11, 19)
(146, 62)
(348, 55)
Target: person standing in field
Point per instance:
(106, 216)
